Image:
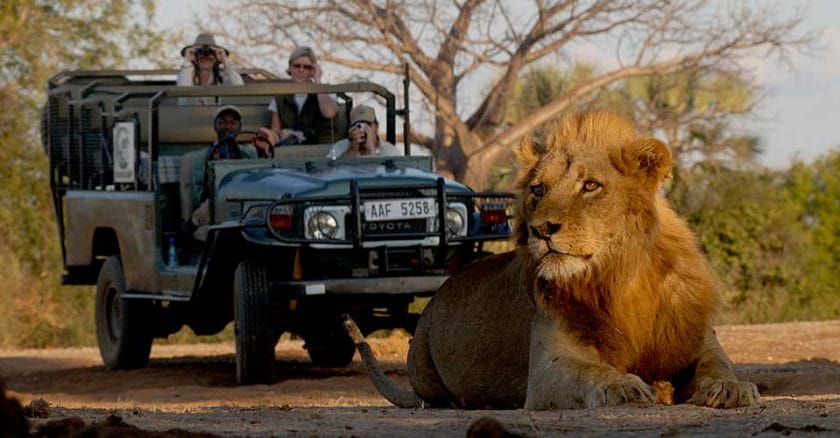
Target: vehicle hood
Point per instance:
(276, 183)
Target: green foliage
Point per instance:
(539, 86)
(815, 188)
(690, 109)
(751, 231)
(37, 40)
(535, 89)
(690, 91)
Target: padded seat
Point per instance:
(192, 179)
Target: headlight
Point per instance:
(322, 225)
(454, 222)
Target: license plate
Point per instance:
(395, 209)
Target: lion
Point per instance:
(605, 293)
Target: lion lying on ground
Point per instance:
(605, 294)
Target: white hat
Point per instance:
(228, 108)
(362, 113)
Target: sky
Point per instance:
(799, 117)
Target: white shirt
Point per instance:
(185, 79)
(300, 99)
(384, 149)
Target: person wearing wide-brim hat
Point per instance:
(206, 63)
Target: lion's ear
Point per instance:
(528, 153)
(647, 158)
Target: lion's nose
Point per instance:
(545, 230)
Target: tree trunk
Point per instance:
(451, 161)
(481, 164)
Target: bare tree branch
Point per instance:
(481, 47)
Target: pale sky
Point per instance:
(800, 115)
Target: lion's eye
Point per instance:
(538, 190)
(591, 186)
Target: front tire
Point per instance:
(124, 340)
(252, 325)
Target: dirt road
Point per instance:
(796, 367)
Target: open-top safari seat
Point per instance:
(191, 181)
(185, 132)
(186, 141)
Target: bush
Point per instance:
(751, 230)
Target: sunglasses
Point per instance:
(302, 66)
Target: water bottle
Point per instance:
(172, 252)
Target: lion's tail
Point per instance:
(387, 387)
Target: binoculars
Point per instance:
(205, 51)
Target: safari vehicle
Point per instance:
(295, 240)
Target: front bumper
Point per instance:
(354, 236)
(412, 285)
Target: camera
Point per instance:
(204, 51)
(360, 124)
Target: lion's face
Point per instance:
(589, 193)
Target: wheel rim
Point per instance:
(114, 312)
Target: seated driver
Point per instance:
(363, 137)
(227, 124)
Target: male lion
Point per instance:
(605, 294)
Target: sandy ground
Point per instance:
(795, 365)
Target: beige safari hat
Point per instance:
(204, 39)
(228, 108)
(362, 113)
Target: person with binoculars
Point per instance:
(206, 63)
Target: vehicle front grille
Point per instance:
(393, 228)
(389, 229)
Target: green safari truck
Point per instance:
(294, 240)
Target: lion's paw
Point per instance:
(628, 388)
(722, 394)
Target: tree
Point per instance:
(449, 45)
(37, 40)
(815, 188)
(537, 87)
(540, 85)
(691, 110)
(749, 228)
